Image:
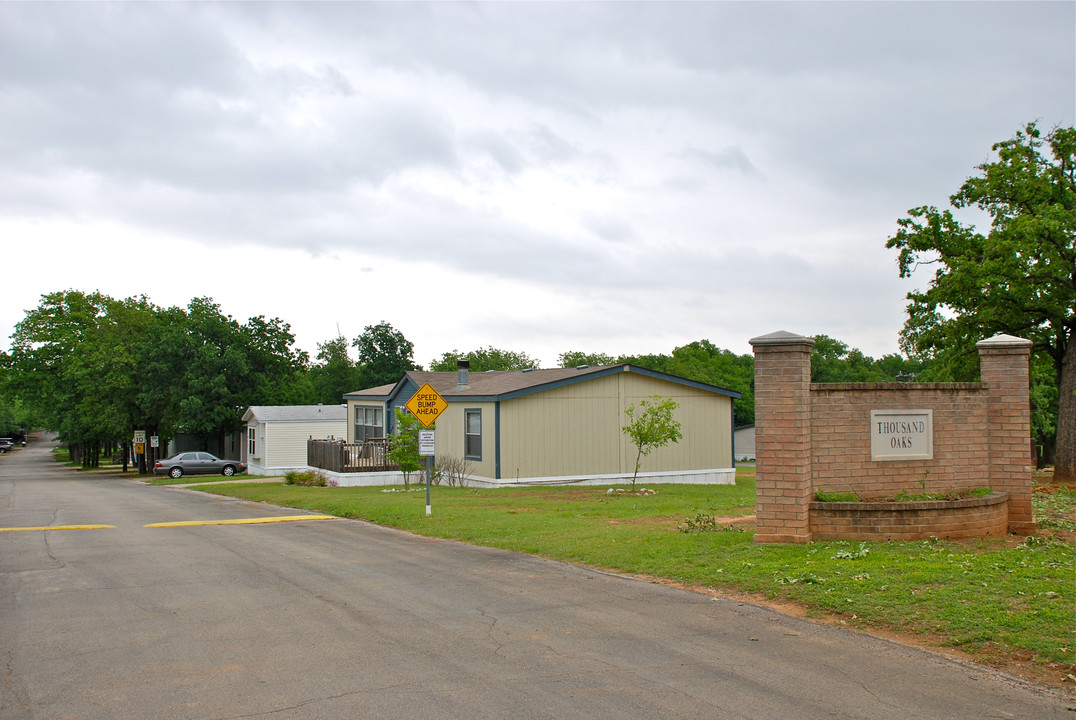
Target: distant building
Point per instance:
(745, 442)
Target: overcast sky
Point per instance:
(539, 177)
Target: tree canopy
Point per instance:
(1018, 278)
(703, 361)
(483, 359)
(832, 361)
(575, 358)
(384, 355)
(333, 373)
(95, 369)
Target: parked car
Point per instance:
(197, 463)
(5, 445)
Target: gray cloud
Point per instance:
(681, 161)
(732, 157)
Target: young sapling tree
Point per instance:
(651, 425)
(403, 446)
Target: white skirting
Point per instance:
(715, 476)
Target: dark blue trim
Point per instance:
(497, 441)
(684, 381)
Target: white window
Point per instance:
(472, 434)
(369, 423)
(252, 435)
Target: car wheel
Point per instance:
(175, 472)
(228, 470)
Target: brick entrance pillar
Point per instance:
(783, 437)
(1005, 368)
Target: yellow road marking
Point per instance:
(60, 527)
(248, 521)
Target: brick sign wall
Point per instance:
(871, 438)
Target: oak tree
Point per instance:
(1018, 278)
(384, 355)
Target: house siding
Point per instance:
(563, 431)
(450, 441)
(705, 421)
(281, 445)
(576, 429)
(287, 445)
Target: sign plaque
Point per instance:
(426, 443)
(902, 434)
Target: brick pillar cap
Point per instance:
(1003, 342)
(781, 337)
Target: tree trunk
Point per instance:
(1065, 457)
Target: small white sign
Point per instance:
(426, 443)
(154, 441)
(140, 436)
(902, 434)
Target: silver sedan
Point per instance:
(197, 463)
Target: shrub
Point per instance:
(310, 478)
(706, 523)
(452, 470)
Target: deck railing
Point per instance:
(340, 456)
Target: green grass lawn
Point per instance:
(996, 599)
(193, 479)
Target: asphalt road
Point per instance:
(341, 619)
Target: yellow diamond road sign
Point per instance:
(426, 405)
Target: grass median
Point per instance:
(1006, 602)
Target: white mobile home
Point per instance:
(276, 435)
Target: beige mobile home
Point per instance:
(560, 425)
(276, 435)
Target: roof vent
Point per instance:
(462, 368)
(581, 367)
(528, 369)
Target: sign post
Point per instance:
(426, 405)
(139, 441)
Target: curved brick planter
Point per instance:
(986, 516)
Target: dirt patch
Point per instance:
(747, 521)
